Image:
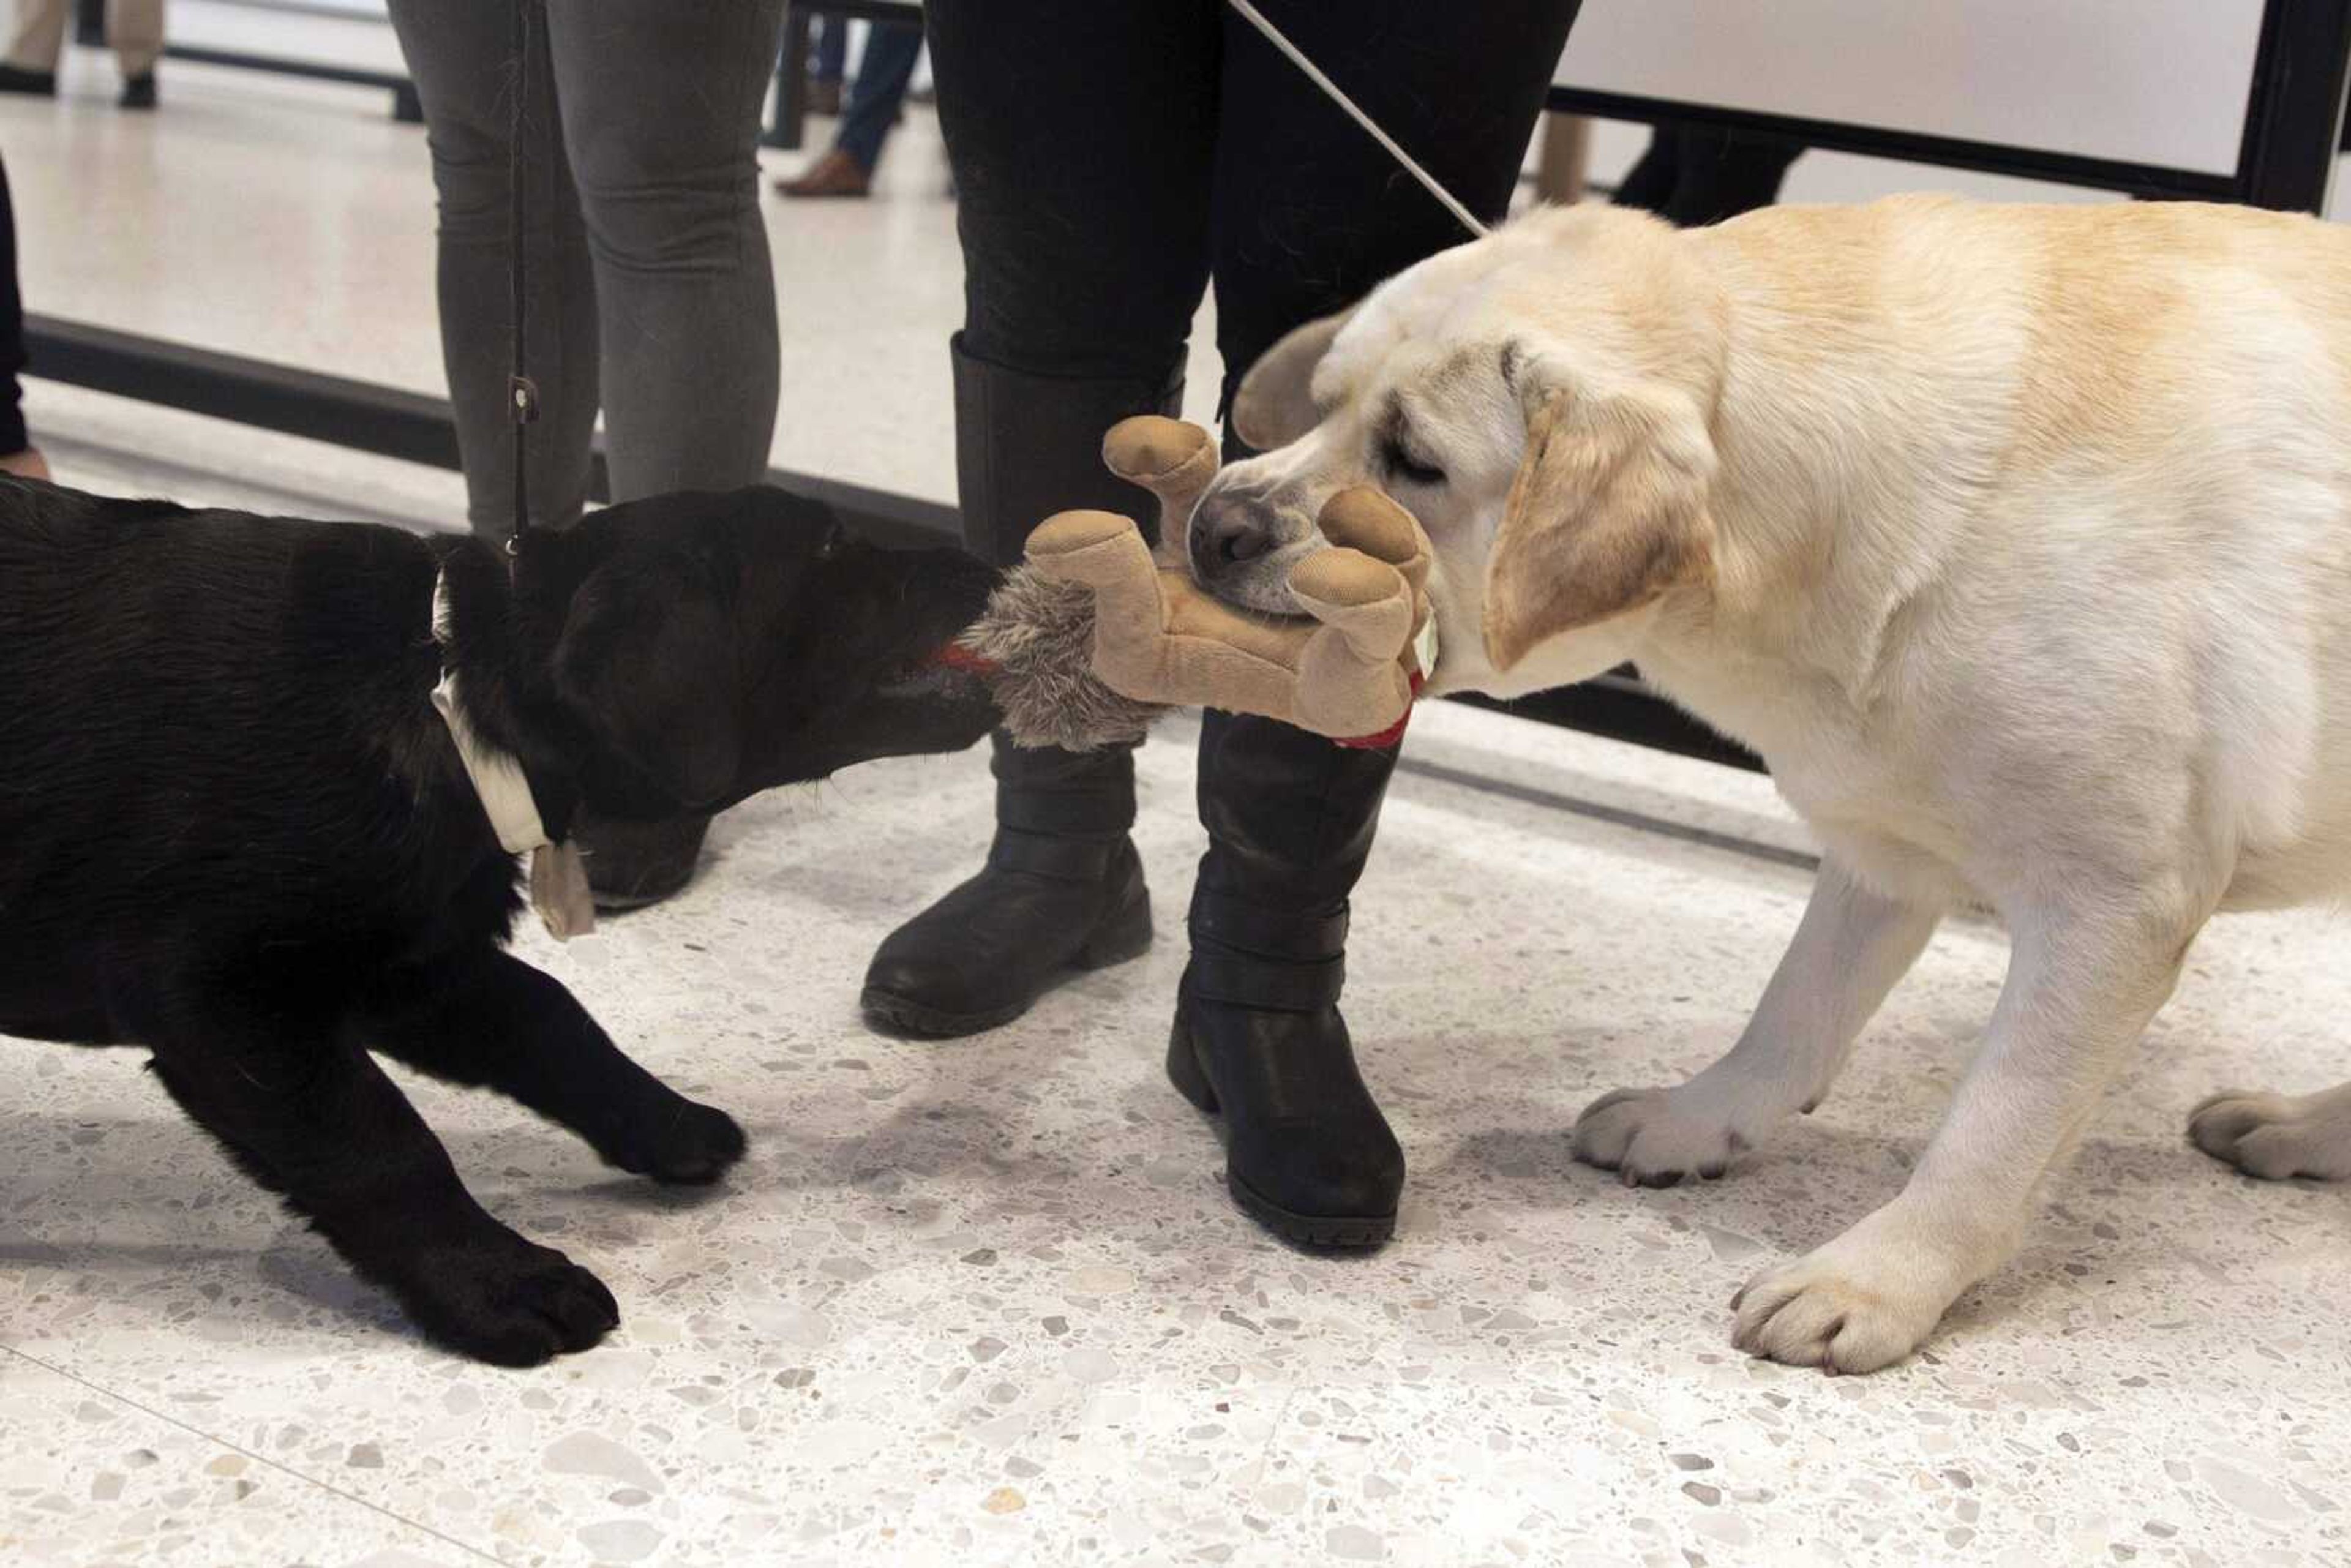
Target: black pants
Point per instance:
(1112, 156)
(1694, 175)
(13, 439)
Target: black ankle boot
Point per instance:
(1062, 889)
(1257, 1038)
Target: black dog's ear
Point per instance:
(647, 660)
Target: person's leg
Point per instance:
(828, 64)
(458, 53)
(879, 95)
(1310, 214)
(34, 45)
(874, 102)
(1081, 137)
(1719, 175)
(1084, 179)
(17, 454)
(828, 57)
(1648, 185)
(1257, 1037)
(134, 31)
(661, 115)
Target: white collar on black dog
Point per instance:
(558, 882)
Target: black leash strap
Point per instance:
(522, 394)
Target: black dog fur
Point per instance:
(234, 830)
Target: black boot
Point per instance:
(1258, 1036)
(1062, 888)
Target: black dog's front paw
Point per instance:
(514, 1304)
(685, 1144)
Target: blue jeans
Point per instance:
(828, 56)
(883, 73)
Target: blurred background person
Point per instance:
(875, 103)
(1692, 175)
(133, 28)
(828, 63)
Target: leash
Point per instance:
(1297, 56)
(522, 393)
(558, 877)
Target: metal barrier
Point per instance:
(386, 421)
(89, 28)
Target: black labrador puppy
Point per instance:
(234, 830)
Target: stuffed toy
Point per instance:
(1093, 639)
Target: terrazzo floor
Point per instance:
(985, 1302)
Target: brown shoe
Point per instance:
(834, 174)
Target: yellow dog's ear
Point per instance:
(1607, 512)
(1275, 404)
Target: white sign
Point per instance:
(2164, 82)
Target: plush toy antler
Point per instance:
(1092, 640)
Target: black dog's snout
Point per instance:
(1227, 532)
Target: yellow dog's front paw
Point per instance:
(1850, 1306)
(2277, 1137)
(1654, 1137)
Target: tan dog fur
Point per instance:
(2017, 541)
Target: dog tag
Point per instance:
(558, 892)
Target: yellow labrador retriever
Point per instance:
(2017, 539)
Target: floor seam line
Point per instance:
(1615, 816)
(235, 1447)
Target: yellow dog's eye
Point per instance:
(1402, 465)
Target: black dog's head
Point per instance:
(710, 646)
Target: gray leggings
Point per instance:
(650, 288)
